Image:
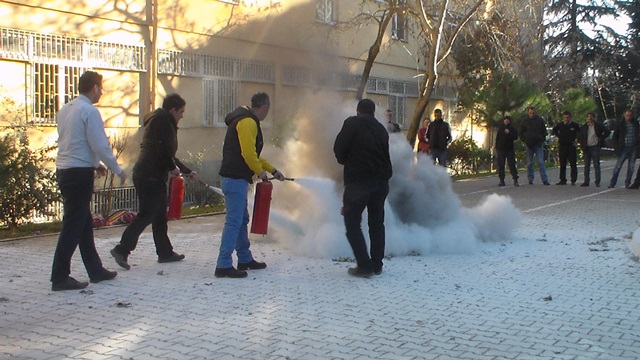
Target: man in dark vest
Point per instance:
(241, 161)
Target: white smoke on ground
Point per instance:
(422, 214)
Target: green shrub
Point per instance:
(28, 189)
(465, 157)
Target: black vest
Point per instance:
(233, 164)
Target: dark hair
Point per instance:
(366, 106)
(507, 117)
(566, 113)
(437, 111)
(173, 101)
(87, 80)
(259, 99)
(592, 114)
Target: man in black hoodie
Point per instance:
(150, 174)
(362, 146)
(241, 160)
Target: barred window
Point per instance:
(220, 98)
(399, 24)
(325, 11)
(52, 87)
(398, 105)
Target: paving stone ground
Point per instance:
(565, 286)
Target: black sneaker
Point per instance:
(515, 183)
(377, 271)
(546, 183)
(230, 273)
(252, 265)
(634, 186)
(120, 259)
(501, 183)
(530, 182)
(69, 284)
(360, 272)
(585, 185)
(104, 275)
(171, 258)
(561, 183)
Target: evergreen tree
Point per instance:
(570, 50)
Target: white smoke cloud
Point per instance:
(422, 214)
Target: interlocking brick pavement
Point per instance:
(565, 286)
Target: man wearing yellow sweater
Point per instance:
(240, 162)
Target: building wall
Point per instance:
(212, 53)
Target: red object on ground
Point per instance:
(261, 206)
(176, 196)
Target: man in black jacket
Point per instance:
(567, 133)
(439, 138)
(150, 174)
(591, 139)
(507, 135)
(533, 133)
(626, 140)
(362, 146)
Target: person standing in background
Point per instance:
(533, 133)
(567, 134)
(591, 138)
(439, 138)
(506, 136)
(626, 138)
(82, 145)
(423, 143)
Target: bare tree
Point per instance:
(439, 30)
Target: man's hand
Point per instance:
(101, 170)
(264, 176)
(278, 175)
(175, 172)
(193, 176)
(123, 178)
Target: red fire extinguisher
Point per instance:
(176, 196)
(261, 206)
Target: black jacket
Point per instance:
(438, 135)
(620, 132)
(601, 132)
(158, 147)
(566, 133)
(533, 131)
(233, 165)
(504, 141)
(362, 146)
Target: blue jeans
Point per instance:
(152, 194)
(440, 155)
(235, 234)
(592, 153)
(629, 154)
(76, 187)
(539, 154)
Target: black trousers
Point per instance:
(370, 194)
(152, 196)
(508, 156)
(568, 153)
(76, 187)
